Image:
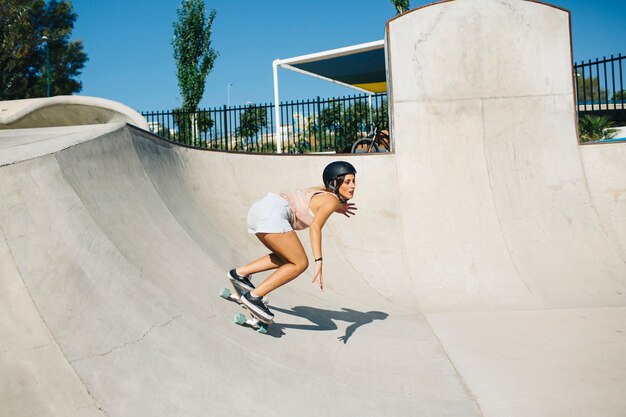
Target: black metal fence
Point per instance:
(600, 87)
(334, 124)
(319, 125)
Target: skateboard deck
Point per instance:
(253, 321)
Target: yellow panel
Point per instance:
(380, 87)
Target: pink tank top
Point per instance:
(299, 204)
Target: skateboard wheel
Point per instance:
(239, 318)
(262, 328)
(225, 293)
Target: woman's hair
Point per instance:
(340, 179)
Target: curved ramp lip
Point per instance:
(15, 111)
(20, 145)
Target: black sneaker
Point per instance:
(259, 308)
(242, 282)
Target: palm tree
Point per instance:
(595, 128)
(401, 5)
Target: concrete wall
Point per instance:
(495, 204)
(604, 170)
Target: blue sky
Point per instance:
(130, 54)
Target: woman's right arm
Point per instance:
(347, 209)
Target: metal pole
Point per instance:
(45, 38)
(229, 84)
(279, 136)
(369, 105)
(225, 133)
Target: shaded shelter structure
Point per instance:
(360, 67)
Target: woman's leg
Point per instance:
(264, 263)
(288, 248)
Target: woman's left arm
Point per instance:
(326, 208)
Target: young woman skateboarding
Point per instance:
(274, 220)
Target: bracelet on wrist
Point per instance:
(319, 259)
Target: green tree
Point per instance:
(251, 121)
(332, 120)
(185, 127)
(401, 5)
(589, 90)
(192, 50)
(593, 128)
(348, 124)
(619, 96)
(16, 46)
(23, 69)
(381, 115)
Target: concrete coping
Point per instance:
(66, 111)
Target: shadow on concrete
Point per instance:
(324, 320)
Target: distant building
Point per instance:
(158, 129)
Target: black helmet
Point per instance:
(334, 170)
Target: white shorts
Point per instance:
(269, 215)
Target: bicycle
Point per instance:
(376, 141)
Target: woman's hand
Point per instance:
(347, 209)
(317, 276)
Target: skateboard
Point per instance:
(241, 319)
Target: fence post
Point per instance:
(278, 137)
(621, 81)
(225, 125)
(318, 126)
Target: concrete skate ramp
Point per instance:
(117, 248)
(66, 111)
(484, 274)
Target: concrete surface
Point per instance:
(484, 274)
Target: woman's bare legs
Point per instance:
(288, 256)
(264, 263)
